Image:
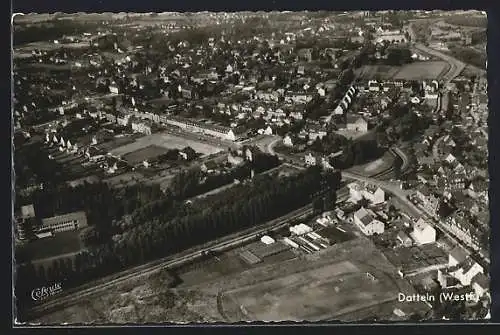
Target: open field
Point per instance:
(167, 141)
(382, 72)
(422, 71)
(312, 295)
(125, 178)
(62, 243)
(149, 152)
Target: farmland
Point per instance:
(167, 141)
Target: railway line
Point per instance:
(71, 297)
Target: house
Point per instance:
(480, 284)
(423, 232)
(430, 202)
(366, 222)
(357, 124)
(28, 211)
(141, 126)
(447, 280)
(287, 141)
(200, 127)
(114, 89)
(404, 239)
(373, 194)
(466, 271)
(456, 256)
(310, 159)
(268, 131)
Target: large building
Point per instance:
(65, 222)
(365, 220)
(200, 127)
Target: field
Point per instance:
(414, 71)
(332, 284)
(61, 244)
(167, 141)
(377, 71)
(422, 71)
(149, 152)
(314, 295)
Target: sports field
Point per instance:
(149, 152)
(422, 71)
(382, 72)
(60, 244)
(314, 295)
(167, 141)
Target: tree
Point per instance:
(318, 204)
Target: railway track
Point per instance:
(72, 297)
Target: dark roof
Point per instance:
(458, 254)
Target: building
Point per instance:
(287, 141)
(430, 202)
(234, 160)
(200, 127)
(65, 222)
(423, 232)
(480, 284)
(447, 280)
(373, 194)
(356, 123)
(466, 271)
(456, 256)
(141, 126)
(404, 239)
(310, 159)
(366, 222)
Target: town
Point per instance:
(324, 162)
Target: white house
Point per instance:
(366, 222)
(423, 232)
(374, 194)
(287, 141)
(467, 271)
(357, 124)
(268, 131)
(310, 159)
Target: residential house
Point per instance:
(287, 141)
(446, 280)
(480, 284)
(141, 126)
(404, 239)
(466, 271)
(310, 159)
(366, 222)
(430, 202)
(423, 232)
(234, 160)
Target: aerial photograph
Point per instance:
(215, 168)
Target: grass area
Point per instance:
(421, 71)
(334, 235)
(60, 244)
(381, 72)
(149, 152)
(167, 141)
